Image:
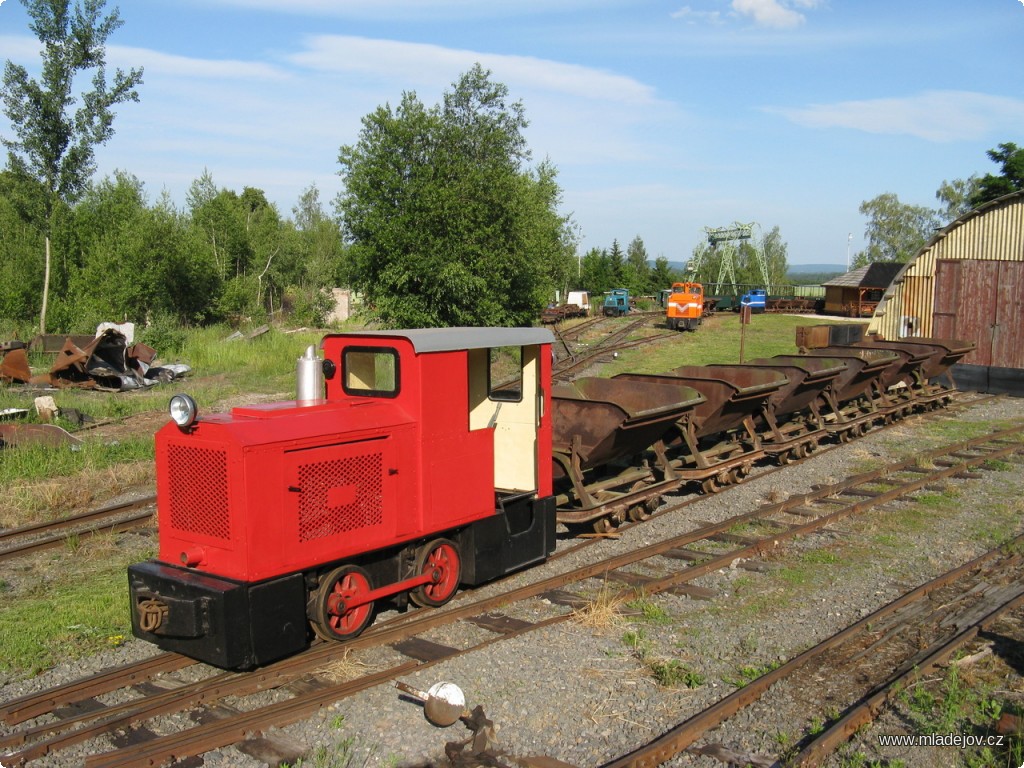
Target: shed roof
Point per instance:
(878, 274)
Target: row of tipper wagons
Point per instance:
(620, 443)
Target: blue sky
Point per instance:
(662, 117)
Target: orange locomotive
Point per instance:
(685, 306)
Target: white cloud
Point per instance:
(938, 116)
(20, 48)
(155, 62)
(693, 16)
(771, 13)
(435, 65)
(408, 9)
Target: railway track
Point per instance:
(112, 518)
(669, 565)
(574, 362)
(905, 640)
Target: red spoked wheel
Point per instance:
(440, 559)
(334, 619)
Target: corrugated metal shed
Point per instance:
(968, 283)
(993, 232)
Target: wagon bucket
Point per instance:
(864, 367)
(808, 377)
(956, 349)
(943, 353)
(910, 359)
(612, 419)
(731, 393)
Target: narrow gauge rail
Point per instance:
(33, 706)
(569, 368)
(786, 520)
(112, 518)
(963, 602)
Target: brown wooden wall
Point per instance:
(982, 301)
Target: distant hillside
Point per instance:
(833, 269)
(794, 269)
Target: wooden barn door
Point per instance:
(982, 301)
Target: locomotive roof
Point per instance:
(448, 339)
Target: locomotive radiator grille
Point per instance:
(340, 495)
(198, 491)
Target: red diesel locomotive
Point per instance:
(411, 462)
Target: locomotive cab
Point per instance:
(425, 464)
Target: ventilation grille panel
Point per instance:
(340, 495)
(198, 491)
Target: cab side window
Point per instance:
(370, 371)
(505, 374)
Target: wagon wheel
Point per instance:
(439, 558)
(710, 485)
(333, 620)
(603, 525)
(640, 512)
(844, 436)
(784, 458)
(637, 513)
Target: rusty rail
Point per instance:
(57, 533)
(402, 636)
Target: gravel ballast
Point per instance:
(584, 693)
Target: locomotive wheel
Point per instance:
(439, 558)
(333, 620)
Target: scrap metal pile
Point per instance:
(108, 363)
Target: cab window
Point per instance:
(505, 374)
(370, 371)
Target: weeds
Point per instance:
(672, 673)
(649, 611)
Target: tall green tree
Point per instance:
(636, 269)
(21, 240)
(895, 230)
(446, 223)
(55, 138)
(133, 261)
(596, 273)
(956, 197)
(1011, 178)
(662, 275)
(617, 265)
